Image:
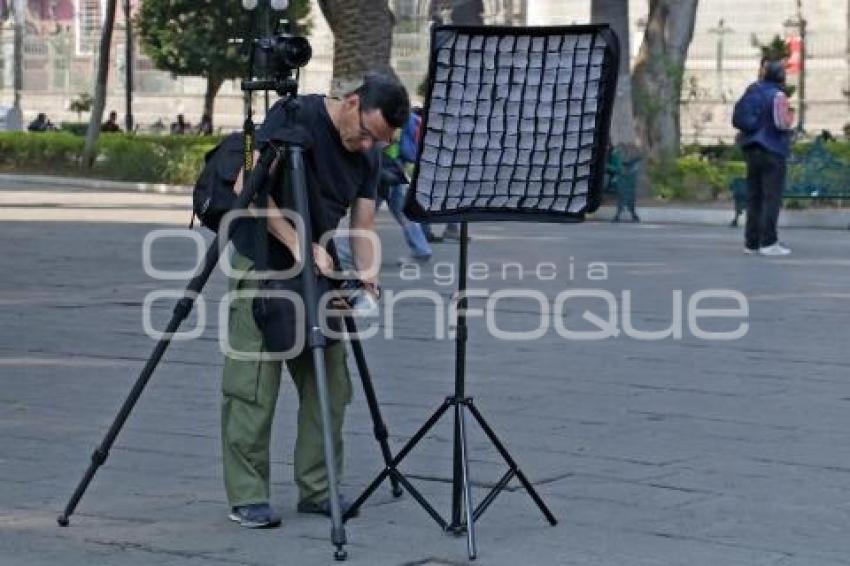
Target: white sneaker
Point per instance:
(774, 250)
(750, 251)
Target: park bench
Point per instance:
(815, 175)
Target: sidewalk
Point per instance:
(49, 181)
(711, 214)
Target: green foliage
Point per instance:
(34, 150)
(165, 159)
(775, 50)
(719, 151)
(838, 149)
(693, 178)
(76, 128)
(705, 173)
(193, 37)
(83, 103)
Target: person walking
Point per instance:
(765, 120)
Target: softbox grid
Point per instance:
(515, 123)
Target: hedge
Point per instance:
(160, 159)
(704, 173)
(694, 178)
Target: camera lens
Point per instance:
(293, 52)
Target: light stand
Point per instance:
(463, 516)
(516, 125)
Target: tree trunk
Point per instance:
(616, 14)
(468, 12)
(461, 12)
(16, 119)
(213, 85)
(90, 149)
(363, 33)
(657, 77)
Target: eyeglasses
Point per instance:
(365, 134)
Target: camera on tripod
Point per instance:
(274, 59)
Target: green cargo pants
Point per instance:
(250, 394)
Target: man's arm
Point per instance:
(280, 228)
(783, 114)
(367, 251)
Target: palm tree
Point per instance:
(363, 31)
(616, 14)
(89, 151)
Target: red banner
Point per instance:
(794, 59)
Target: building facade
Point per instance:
(62, 38)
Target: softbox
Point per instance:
(515, 124)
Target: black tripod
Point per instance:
(291, 154)
(463, 515)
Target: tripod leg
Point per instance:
(316, 340)
(100, 455)
(337, 529)
(402, 454)
(513, 465)
(181, 311)
(457, 476)
(380, 429)
(467, 487)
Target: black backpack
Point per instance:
(213, 195)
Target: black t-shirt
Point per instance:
(335, 175)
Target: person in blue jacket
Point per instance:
(766, 150)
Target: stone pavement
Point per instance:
(649, 452)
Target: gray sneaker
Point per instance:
(255, 516)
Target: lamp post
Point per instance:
(128, 66)
(721, 30)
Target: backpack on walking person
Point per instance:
(750, 110)
(764, 103)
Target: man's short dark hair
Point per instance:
(387, 94)
(774, 71)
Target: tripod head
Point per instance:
(274, 59)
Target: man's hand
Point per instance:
(367, 257)
(323, 260)
(373, 289)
